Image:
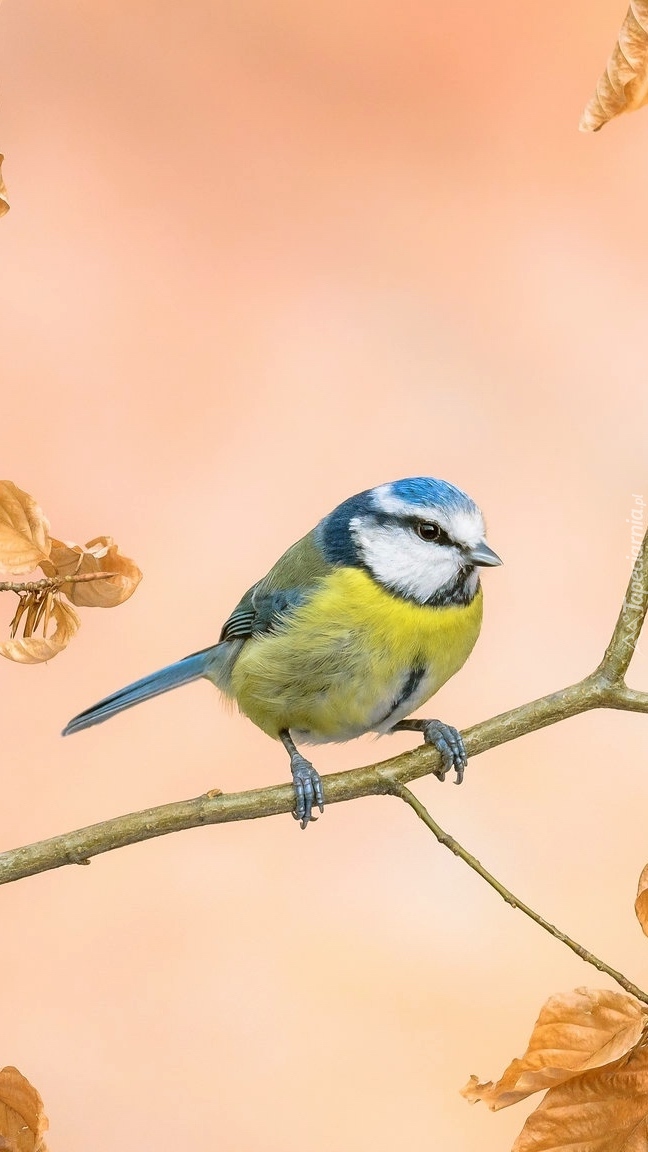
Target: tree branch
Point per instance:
(603, 688)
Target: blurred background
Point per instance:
(262, 255)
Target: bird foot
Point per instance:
(308, 789)
(448, 742)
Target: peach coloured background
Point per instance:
(260, 256)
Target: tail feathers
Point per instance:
(182, 672)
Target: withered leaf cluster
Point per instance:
(93, 576)
(623, 87)
(589, 1050)
(22, 1119)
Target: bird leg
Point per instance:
(445, 739)
(307, 782)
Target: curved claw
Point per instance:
(308, 789)
(448, 742)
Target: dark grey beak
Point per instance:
(483, 556)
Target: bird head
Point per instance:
(420, 538)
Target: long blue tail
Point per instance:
(182, 672)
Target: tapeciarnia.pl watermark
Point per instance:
(634, 598)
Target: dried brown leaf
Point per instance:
(24, 531)
(604, 1110)
(22, 1119)
(99, 555)
(575, 1031)
(4, 203)
(36, 649)
(641, 903)
(64, 559)
(623, 87)
(23, 602)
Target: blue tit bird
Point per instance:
(356, 626)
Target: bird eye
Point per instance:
(428, 531)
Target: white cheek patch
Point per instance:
(400, 560)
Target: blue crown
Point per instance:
(424, 491)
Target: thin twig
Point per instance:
(448, 841)
(603, 688)
(53, 582)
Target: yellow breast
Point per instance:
(337, 664)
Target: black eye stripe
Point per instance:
(413, 522)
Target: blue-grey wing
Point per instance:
(289, 583)
(260, 612)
